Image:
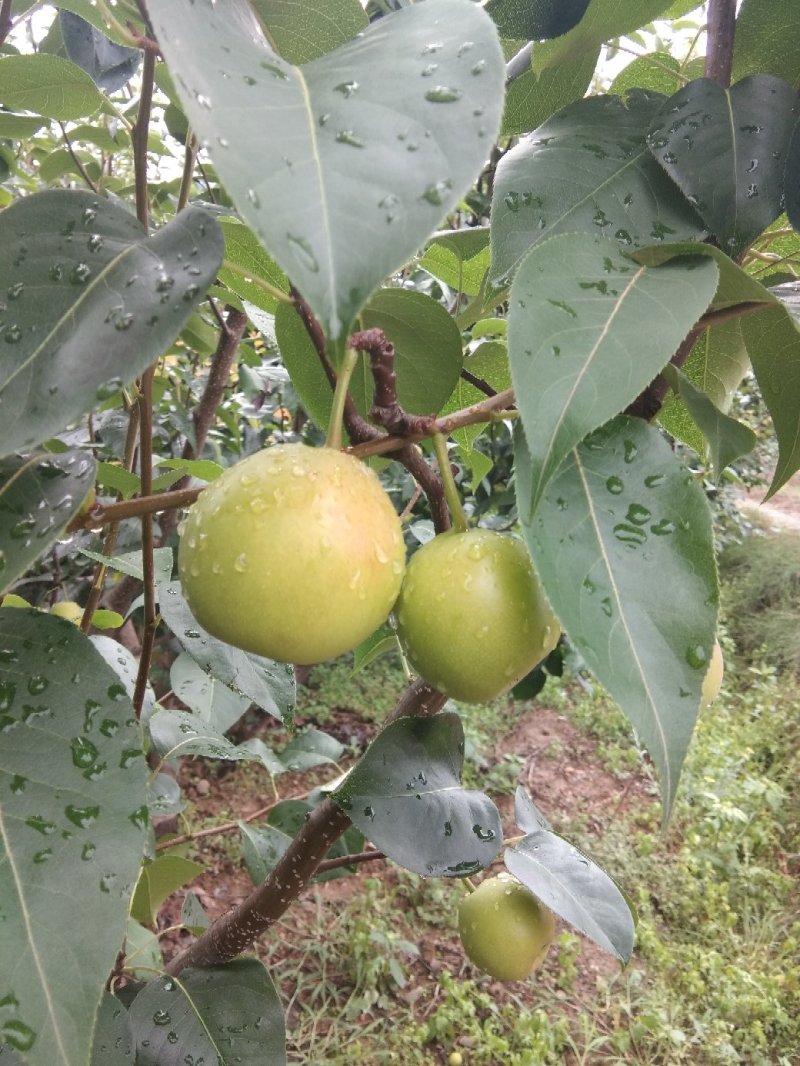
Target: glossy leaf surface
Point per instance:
(575, 888)
(268, 684)
(405, 796)
(220, 1014)
(587, 168)
(370, 146)
(80, 276)
(72, 824)
(726, 150)
(39, 494)
(621, 517)
(529, 20)
(580, 310)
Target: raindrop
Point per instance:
(435, 194)
(8, 691)
(95, 242)
(350, 138)
(84, 752)
(631, 451)
(483, 834)
(479, 67)
(605, 603)
(752, 191)
(17, 1034)
(55, 272)
(37, 683)
(663, 528)
(81, 816)
(697, 657)
(369, 813)
(638, 515)
(653, 480)
(254, 198)
(161, 1017)
(16, 290)
(303, 253)
(633, 536)
(109, 388)
(443, 94)
(565, 307)
(13, 334)
(18, 783)
(80, 274)
(429, 70)
(511, 200)
(346, 88)
(615, 485)
(40, 824)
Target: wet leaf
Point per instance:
(39, 494)
(264, 845)
(405, 797)
(177, 733)
(529, 20)
(222, 1014)
(113, 1045)
(587, 168)
(157, 881)
(622, 517)
(268, 684)
(88, 303)
(575, 888)
(588, 330)
(78, 827)
(526, 814)
(108, 64)
(370, 146)
(204, 695)
(726, 150)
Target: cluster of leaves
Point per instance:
(629, 235)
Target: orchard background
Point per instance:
(536, 263)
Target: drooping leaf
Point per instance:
(575, 888)
(47, 85)
(621, 519)
(459, 258)
(143, 955)
(726, 150)
(404, 795)
(264, 845)
(365, 156)
(658, 72)
(534, 20)
(113, 1045)
(157, 881)
(108, 64)
(222, 1014)
(773, 343)
(72, 823)
(728, 439)
(767, 40)
(588, 330)
(193, 916)
(125, 12)
(302, 32)
(268, 684)
(535, 95)
(130, 563)
(39, 494)
(587, 168)
(91, 303)
(178, 733)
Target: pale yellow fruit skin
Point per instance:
(506, 931)
(73, 612)
(472, 616)
(295, 553)
(712, 682)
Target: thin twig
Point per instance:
(75, 158)
(236, 930)
(5, 19)
(148, 564)
(139, 138)
(189, 159)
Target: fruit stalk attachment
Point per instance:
(448, 481)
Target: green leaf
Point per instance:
(364, 157)
(177, 733)
(767, 40)
(536, 95)
(427, 354)
(213, 702)
(382, 642)
(773, 343)
(623, 544)
(192, 914)
(39, 494)
(716, 365)
(526, 814)
(157, 881)
(19, 127)
(222, 1014)
(488, 363)
(91, 302)
(792, 179)
(131, 563)
(302, 32)
(114, 476)
(268, 684)
(726, 150)
(142, 951)
(245, 260)
(658, 72)
(263, 846)
(603, 21)
(112, 1044)
(125, 11)
(457, 262)
(575, 888)
(72, 824)
(47, 85)
(203, 469)
(587, 168)
(529, 20)
(728, 439)
(588, 330)
(405, 796)
(735, 285)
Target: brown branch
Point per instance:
(349, 860)
(236, 930)
(225, 827)
(189, 160)
(721, 32)
(75, 158)
(5, 19)
(230, 338)
(478, 383)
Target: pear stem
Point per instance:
(334, 439)
(448, 481)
